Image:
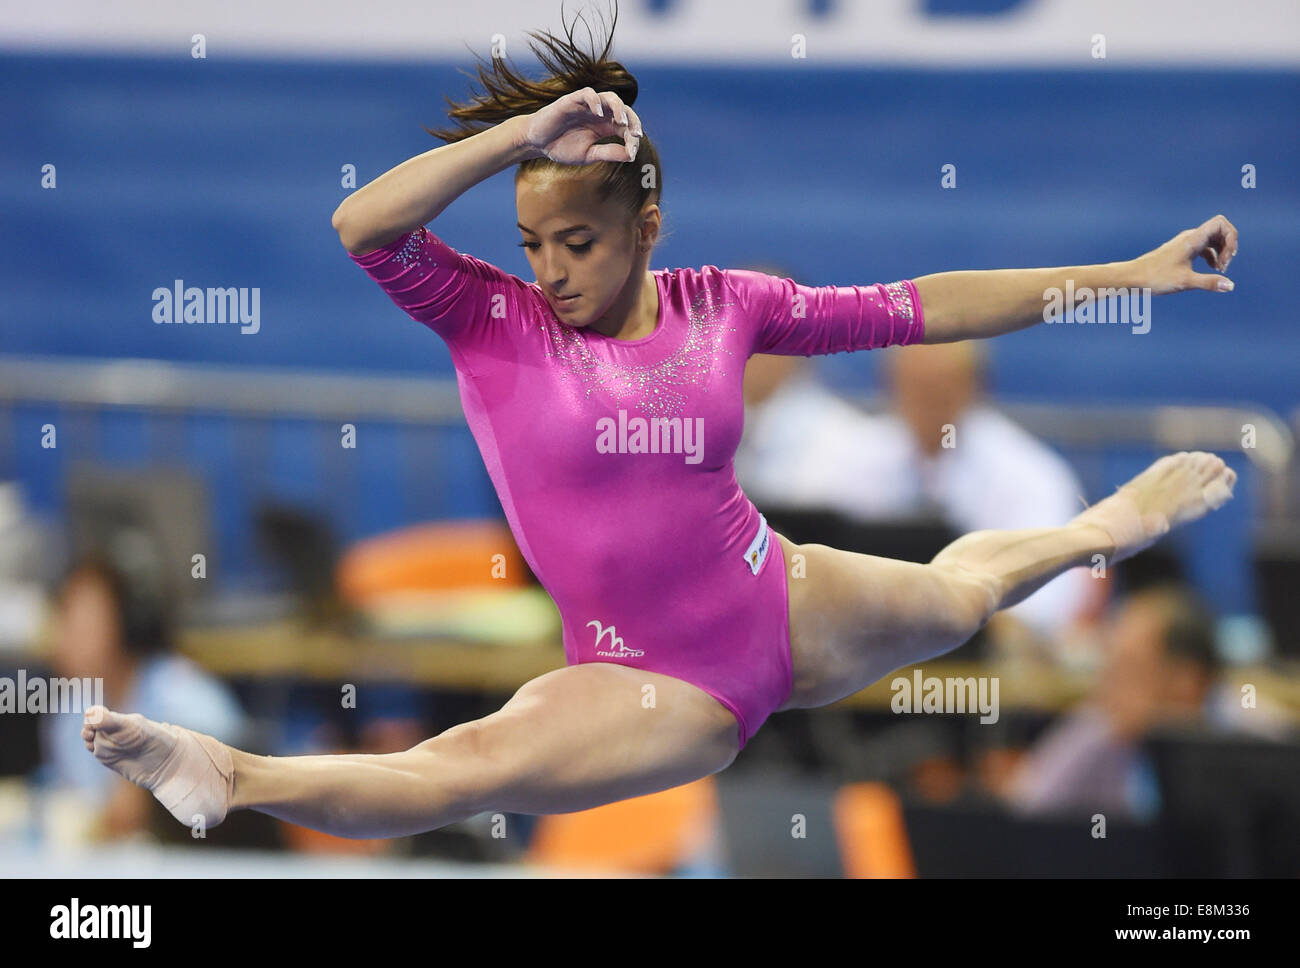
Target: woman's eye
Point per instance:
(576, 248)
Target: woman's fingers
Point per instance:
(608, 106)
(1210, 283)
(598, 115)
(624, 152)
(592, 100)
(1172, 267)
(617, 110)
(626, 123)
(633, 134)
(606, 153)
(631, 142)
(621, 115)
(1229, 241)
(1216, 242)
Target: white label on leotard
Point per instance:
(756, 553)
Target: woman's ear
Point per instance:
(648, 228)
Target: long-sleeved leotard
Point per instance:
(613, 458)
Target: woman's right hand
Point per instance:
(566, 131)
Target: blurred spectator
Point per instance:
(1161, 668)
(24, 567)
(116, 624)
(942, 450)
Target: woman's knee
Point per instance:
(574, 738)
(972, 597)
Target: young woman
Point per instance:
(606, 401)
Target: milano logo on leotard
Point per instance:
(617, 650)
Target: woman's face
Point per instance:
(577, 245)
(86, 642)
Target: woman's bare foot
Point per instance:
(190, 773)
(1176, 489)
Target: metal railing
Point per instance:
(172, 387)
(172, 416)
(176, 388)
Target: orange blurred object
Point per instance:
(653, 834)
(430, 557)
(314, 842)
(872, 832)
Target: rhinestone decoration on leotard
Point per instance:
(411, 250)
(659, 388)
(900, 301)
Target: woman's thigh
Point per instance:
(587, 735)
(856, 618)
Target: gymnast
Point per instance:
(687, 620)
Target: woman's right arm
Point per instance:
(416, 191)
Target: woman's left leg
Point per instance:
(855, 618)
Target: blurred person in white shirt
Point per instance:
(941, 450)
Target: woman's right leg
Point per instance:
(571, 739)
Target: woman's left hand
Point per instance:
(1169, 268)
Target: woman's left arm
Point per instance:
(980, 304)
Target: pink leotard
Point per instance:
(613, 458)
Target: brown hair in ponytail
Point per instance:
(508, 93)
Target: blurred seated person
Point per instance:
(1161, 668)
(112, 625)
(805, 447)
